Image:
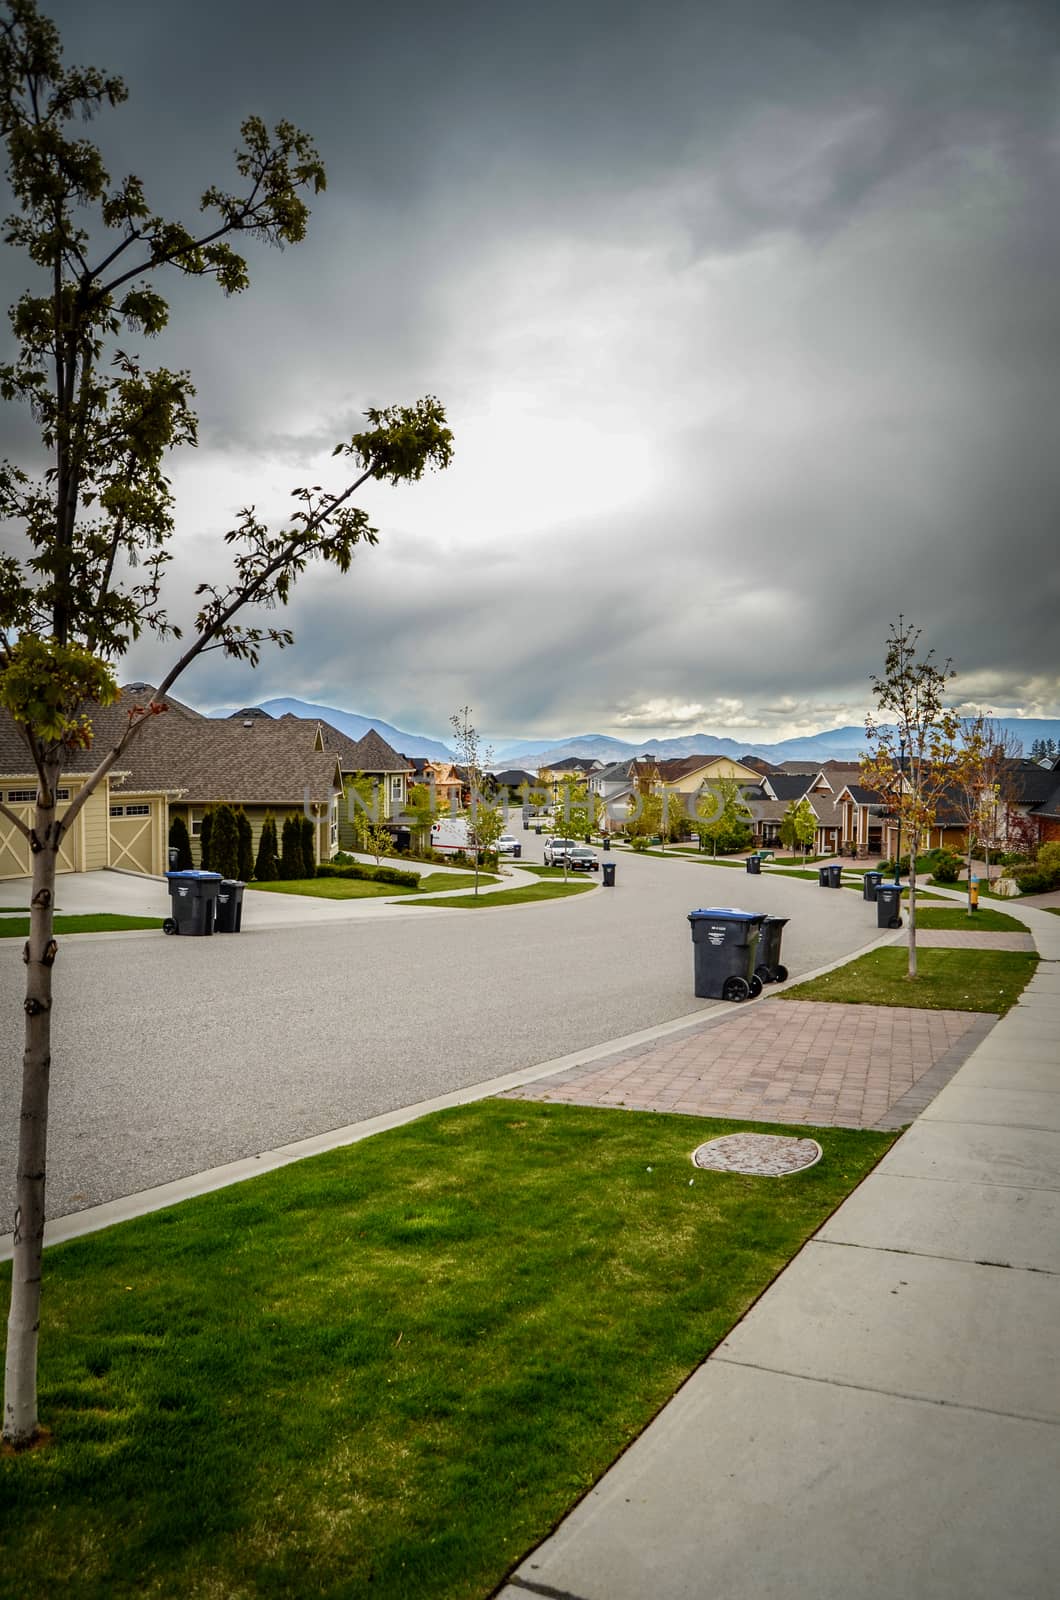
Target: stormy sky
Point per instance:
(746, 317)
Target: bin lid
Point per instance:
(191, 872)
(726, 914)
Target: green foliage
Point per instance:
(224, 842)
(180, 841)
(43, 684)
(945, 867)
(292, 862)
(267, 865)
(1042, 874)
(205, 841)
(722, 817)
(403, 880)
(639, 842)
(577, 812)
(798, 825)
(309, 855)
(246, 847)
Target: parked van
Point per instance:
(450, 835)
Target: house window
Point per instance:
(395, 788)
(62, 794)
(333, 830)
(196, 827)
(137, 811)
(117, 811)
(21, 796)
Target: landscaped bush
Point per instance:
(224, 842)
(246, 846)
(181, 843)
(309, 854)
(368, 874)
(267, 866)
(1042, 874)
(946, 867)
(639, 843)
(292, 862)
(205, 833)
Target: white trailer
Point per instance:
(449, 835)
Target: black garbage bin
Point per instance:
(889, 905)
(822, 878)
(754, 864)
(229, 905)
(174, 858)
(517, 852)
(537, 831)
(724, 951)
(768, 965)
(608, 870)
(607, 841)
(835, 875)
(870, 882)
(193, 897)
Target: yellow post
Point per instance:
(973, 894)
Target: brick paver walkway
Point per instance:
(971, 939)
(798, 1061)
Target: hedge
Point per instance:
(394, 875)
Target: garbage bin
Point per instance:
(229, 905)
(724, 951)
(193, 896)
(517, 852)
(768, 965)
(537, 831)
(835, 875)
(889, 905)
(608, 870)
(174, 858)
(607, 841)
(822, 878)
(754, 864)
(870, 882)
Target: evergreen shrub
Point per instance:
(180, 841)
(267, 866)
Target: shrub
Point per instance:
(1049, 860)
(639, 843)
(369, 874)
(1031, 880)
(292, 864)
(309, 854)
(224, 842)
(946, 867)
(245, 833)
(267, 866)
(205, 836)
(181, 843)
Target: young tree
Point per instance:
(267, 866)
(378, 841)
(798, 825)
(96, 522)
(645, 817)
(246, 847)
(911, 762)
(180, 842)
(475, 760)
(579, 809)
(421, 810)
(723, 816)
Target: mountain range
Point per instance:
(836, 744)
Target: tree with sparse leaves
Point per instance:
(912, 757)
(97, 519)
(485, 823)
(798, 826)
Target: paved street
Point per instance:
(172, 1055)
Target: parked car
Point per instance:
(506, 844)
(556, 849)
(582, 859)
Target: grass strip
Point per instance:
(947, 980)
(507, 897)
(389, 1370)
(953, 917)
(102, 922)
(366, 889)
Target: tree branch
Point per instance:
(5, 811)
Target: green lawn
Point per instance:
(956, 917)
(366, 889)
(390, 1370)
(510, 897)
(948, 980)
(104, 922)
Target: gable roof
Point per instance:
(271, 762)
(789, 785)
(108, 725)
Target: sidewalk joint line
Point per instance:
(892, 1394)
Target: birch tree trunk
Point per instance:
(912, 908)
(20, 1374)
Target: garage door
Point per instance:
(131, 837)
(15, 856)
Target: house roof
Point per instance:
(513, 777)
(108, 724)
(271, 762)
(368, 754)
(790, 785)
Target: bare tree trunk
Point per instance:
(20, 1375)
(912, 908)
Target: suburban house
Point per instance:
(443, 774)
(778, 790)
(577, 767)
(616, 785)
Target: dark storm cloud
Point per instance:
(745, 315)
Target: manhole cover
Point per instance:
(762, 1155)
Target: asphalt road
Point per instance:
(174, 1055)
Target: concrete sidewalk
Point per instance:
(885, 1421)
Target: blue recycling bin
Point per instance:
(193, 899)
(724, 951)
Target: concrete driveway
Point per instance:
(172, 1055)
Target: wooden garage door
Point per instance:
(131, 836)
(15, 858)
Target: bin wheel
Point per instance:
(895, 922)
(764, 974)
(736, 989)
(754, 983)
(779, 974)
(169, 926)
